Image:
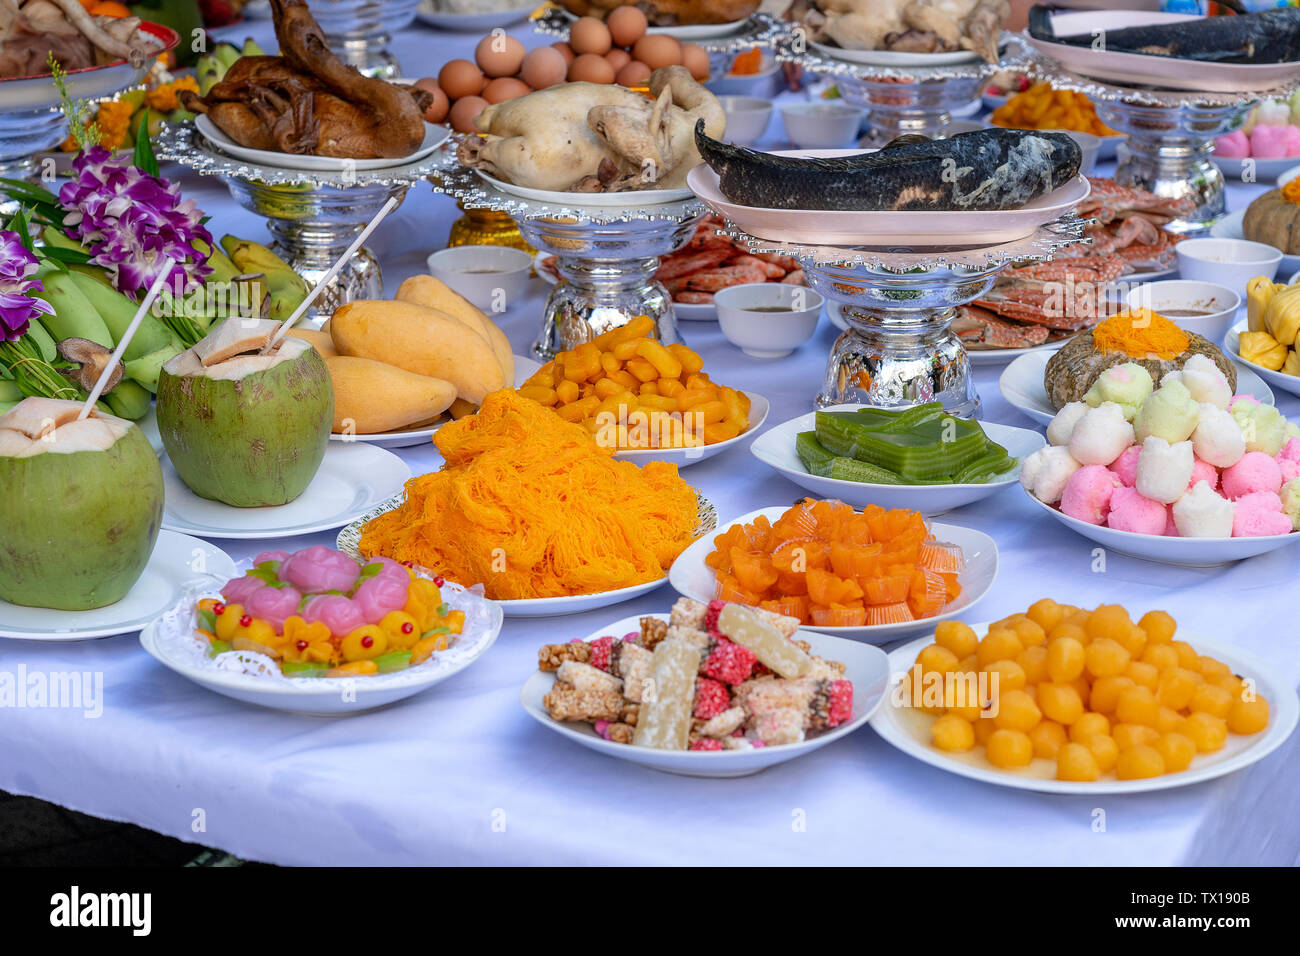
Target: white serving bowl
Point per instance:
(747, 118)
(1172, 549)
(491, 277)
(768, 334)
(776, 449)
(762, 83)
(821, 125)
(1276, 379)
(1228, 262)
(693, 577)
(865, 666)
(1218, 302)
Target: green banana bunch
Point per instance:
(286, 287)
(147, 368)
(74, 316)
(208, 73)
(129, 400)
(117, 311)
(9, 391)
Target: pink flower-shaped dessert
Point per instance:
(274, 605)
(340, 614)
(1131, 511)
(1125, 466)
(1259, 513)
(1256, 471)
(318, 569)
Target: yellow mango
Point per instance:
(372, 397)
(433, 293)
(320, 341)
(421, 340)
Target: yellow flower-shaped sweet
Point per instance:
(308, 642)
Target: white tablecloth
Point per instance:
(461, 775)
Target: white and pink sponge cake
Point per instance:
(1203, 380)
(1217, 438)
(1087, 494)
(1201, 513)
(1291, 502)
(1132, 511)
(1259, 513)
(1170, 413)
(1101, 435)
(1125, 466)
(1255, 471)
(1164, 471)
(1062, 425)
(1046, 472)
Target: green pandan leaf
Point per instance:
(371, 569)
(444, 609)
(266, 572)
(207, 620)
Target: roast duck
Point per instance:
(307, 101)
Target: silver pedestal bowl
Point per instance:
(359, 31)
(31, 121)
(312, 216)
(1170, 137)
(899, 303)
(606, 256)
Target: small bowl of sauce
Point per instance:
(1205, 308)
(768, 320)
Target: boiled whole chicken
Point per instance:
(597, 137)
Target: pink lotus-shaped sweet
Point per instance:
(318, 568)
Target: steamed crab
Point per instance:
(1052, 300)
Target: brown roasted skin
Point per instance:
(307, 101)
(667, 13)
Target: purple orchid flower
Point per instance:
(17, 305)
(132, 221)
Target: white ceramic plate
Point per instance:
(405, 438)
(882, 228)
(696, 311)
(835, 312)
(476, 22)
(176, 560)
(1265, 170)
(1021, 385)
(909, 730)
(1229, 227)
(353, 478)
(681, 457)
(629, 198)
(91, 83)
(866, 666)
(350, 536)
(695, 579)
(171, 642)
(1148, 70)
(434, 136)
(894, 57)
(1288, 383)
(775, 448)
(1184, 552)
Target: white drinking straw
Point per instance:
(333, 271)
(158, 283)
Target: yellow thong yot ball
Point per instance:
(1139, 762)
(1009, 749)
(1076, 762)
(950, 732)
(1248, 716)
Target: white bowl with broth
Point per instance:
(768, 320)
(492, 277)
(1205, 308)
(1229, 262)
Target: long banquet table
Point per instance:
(461, 775)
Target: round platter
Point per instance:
(776, 449)
(1231, 345)
(1173, 549)
(695, 579)
(177, 559)
(909, 730)
(428, 13)
(1140, 69)
(597, 200)
(434, 136)
(407, 437)
(865, 666)
(350, 537)
(352, 479)
(681, 457)
(1021, 385)
(828, 227)
(894, 57)
(248, 676)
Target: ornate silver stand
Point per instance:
(899, 303)
(898, 99)
(606, 256)
(359, 31)
(313, 216)
(1170, 137)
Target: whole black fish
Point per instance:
(986, 169)
(1267, 36)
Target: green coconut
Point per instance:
(80, 506)
(248, 430)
